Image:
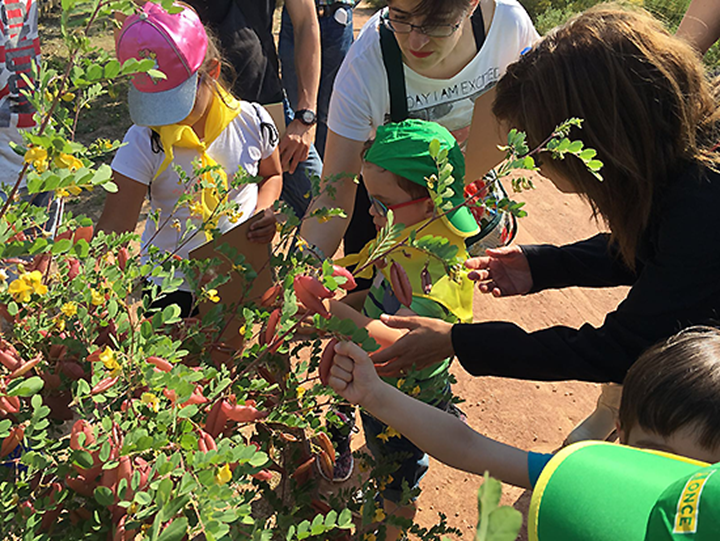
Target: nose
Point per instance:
(372, 211)
(417, 40)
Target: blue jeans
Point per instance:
(335, 41)
(296, 190)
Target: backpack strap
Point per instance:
(478, 25)
(392, 58)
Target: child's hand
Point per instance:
(353, 375)
(263, 230)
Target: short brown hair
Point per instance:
(647, 105)
(440, 11)
(674, 385)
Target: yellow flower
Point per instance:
(400, 383)
(97, 297)
(60, 324)
(212, 295)
(176, 225)
(150, 400)
(109, 359)
(224, 475)
(196, 208)
(234, 216)
(301, 391)
(323, 219)
(20, 290)
(69, 309)
(388, 433)
(3, 275)
(38, 157)
(68, 96)
(385, 482)
(26, 284)
(68, 161)
(132, 509)
(242, 330)
(379, 515)
(415, 391)
(61, 192)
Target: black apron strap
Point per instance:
(392, 58)
(478, 24)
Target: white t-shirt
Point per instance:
(361, 97)
(242, 144)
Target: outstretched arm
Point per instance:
(436, 432)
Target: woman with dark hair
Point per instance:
(650, 112)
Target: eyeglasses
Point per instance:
(382, 210)
(433, 31)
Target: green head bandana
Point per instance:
(596, 491)
(403, 148)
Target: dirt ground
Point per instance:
(531, 415)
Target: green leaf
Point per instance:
(156, 74)
(175, 531)
(505, 524)
(104, 496)
(5, 425)
(112, 69)
(61, 246)
(25, 387)
(82, 459)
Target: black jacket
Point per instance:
(676, 283)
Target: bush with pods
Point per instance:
(119, 421)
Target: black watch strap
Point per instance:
(306, 116)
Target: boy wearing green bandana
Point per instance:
(396, 167)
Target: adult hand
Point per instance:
(428, 342)
(353, 375)
(502, 272)
(295, 145)
(263, 230)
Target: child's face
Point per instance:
(203, 99)
(382, 185)
(683, 442)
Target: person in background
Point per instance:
(19, 50)
(336, 36)
(244, 29)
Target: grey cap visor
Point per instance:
(163, 108)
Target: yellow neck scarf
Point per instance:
(223, 110)
(455, 297)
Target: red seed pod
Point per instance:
(400, 284)
(326, 361)
(83, 233)
(303, 468)
(17, 433)
(81, 426)
(324, 442)
(314, 287)
(10, 404)
(262, 475)
(209, 441)
(272, 325)
(162, 364)
(72, 370)
(40, 262)
(26, 367)
(312, 301)
(73, 268)
(350, 283)
(122, 258)
(104, 385)
(9, 361)
(80, 485)
(270, 296)
(326, 465)
(244, 414)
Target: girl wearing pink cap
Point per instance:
(186, 117)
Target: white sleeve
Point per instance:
(360, 94)
(527, 34)
(268, 131)
(135, 159)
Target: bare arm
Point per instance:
(263, 230)
(436, 432)
(342, 155)
(377, 330)
(122, 208)
(298, 137)
(701, 24)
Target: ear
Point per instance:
(622, 437)
(215, 68)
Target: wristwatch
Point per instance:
(306, 116)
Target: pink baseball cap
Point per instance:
(177, 43)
